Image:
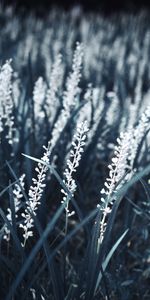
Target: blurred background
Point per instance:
(105, 6)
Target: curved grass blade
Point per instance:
(7, 262)
(92, 257)
(63, 243)
(13, 233)
(107, 259)
(34, 251)
(7, 188)
(18, 181)
(54, 274)
(104, 247)
(12, 208)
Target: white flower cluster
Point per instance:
(35, 194)
(117, 173)
(119, 165)
(39, 93)
(6, 102)
(69, 95)
(73, 80)
(139, 132)
(121, 168)
(55, 82)
(16, 92)
(17, 196)
(73, 162)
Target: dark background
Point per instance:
(107, 6)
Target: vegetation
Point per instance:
(74, 156)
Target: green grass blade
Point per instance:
(34, 251)
(108, 257)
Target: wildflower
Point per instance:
(73, 162)
(39, 93)
(69, 98)
(6, 102)
(17, 196)
(139, 133)
(119, 165)
(117, 172)
(73, 80)
(54, 85)
(35, 194)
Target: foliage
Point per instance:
(74, 220)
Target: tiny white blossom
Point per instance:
(17, 196)
(69, 97)
(39, 94)
(139, 131)
(117, 172)
(35, 194)
(73, 162)
(6, 101)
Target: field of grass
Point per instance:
(74, 156)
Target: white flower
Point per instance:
(73, 80)
(73, 162)
(35, 194)
(6, 101)
(139, 131)
(117, 172)
(39, 94)
(69, 97)
(17, 196)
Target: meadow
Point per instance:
(74, 156)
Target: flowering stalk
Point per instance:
(39, 93)
(122, 163)
(138, 134)
(17, 196)
(73, 80)
(117, 177)
(55, 83)
(69, 97)
(6, 102)
(72, 164)
(36, 190)
(35, 194)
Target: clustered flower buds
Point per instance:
(121, 168)
(17, 197)
(73, 162)
(35, 194)
(117, 172)
(39, 93)
(6, 101)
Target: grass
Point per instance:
(74, 156)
